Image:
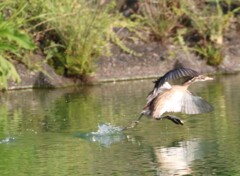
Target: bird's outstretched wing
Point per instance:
(171, 75)
(175, 74)
(194, 105)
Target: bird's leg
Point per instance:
(174, 119)
(134, 123)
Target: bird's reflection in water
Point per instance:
(177, 160)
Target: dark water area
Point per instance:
(75, 131)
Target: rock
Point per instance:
(40, 79)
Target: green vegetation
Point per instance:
(209, 24)
(73, 34)
(196, 26)
(82, 35)
(161, 17)
(14, 43)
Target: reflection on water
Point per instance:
(177, 160)
(57, 132)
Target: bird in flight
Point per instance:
(167, 98)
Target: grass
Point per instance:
(202, 28)
(82, 42)
(209, 25)
(71, 34)
(162, 18)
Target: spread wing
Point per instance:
(171, 75)
(194, 105)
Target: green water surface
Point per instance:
(41, 132)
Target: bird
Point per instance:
(167, 98)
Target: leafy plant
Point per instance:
(211, 52)
(76, 33)
(207, 26)
(12, 42)
(162, 17)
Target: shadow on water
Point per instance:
(77, 130)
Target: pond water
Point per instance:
(76, 132)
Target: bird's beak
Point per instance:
(208, 78)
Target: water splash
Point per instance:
(6, 140)
(105, 135)
(107, 129)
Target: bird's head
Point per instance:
(201, 78)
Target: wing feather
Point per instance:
(175, 74)
(194, 105)
(171, 75)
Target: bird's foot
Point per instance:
(174, 119)
(131, 125)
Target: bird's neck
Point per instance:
(188, 83)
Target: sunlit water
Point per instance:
(78, 131)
